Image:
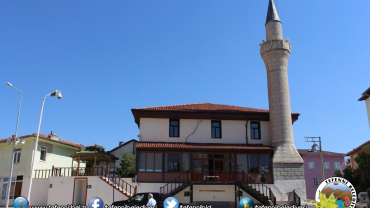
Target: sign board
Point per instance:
(110, 175)
(88, 186)
(50, 185)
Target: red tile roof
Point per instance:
(196, 107)
(210, 146)
(48, 138)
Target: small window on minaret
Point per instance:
(255, 130)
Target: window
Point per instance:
(311, 165)
(174, 127)
(253, 163)
(264, 163)
(150, 162)
(216, 129)
(337, 166)
(326, 166)
(43, 154)
(17, 156)
(158, 162)
(315, 182)
(137, 198)
(185, 162)
(177, 162)
(242, 162)
(15, 186)
(255, 130)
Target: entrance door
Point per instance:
(219, 170)
(79, 191)
(198, 170)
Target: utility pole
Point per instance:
(318, 139)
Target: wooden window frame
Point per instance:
(259, 130)
(178, 126)
(145, 171)
(216, 121)
(181, 159)
(258, 164)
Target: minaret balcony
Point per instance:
(275, 45)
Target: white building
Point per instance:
(51, 151)
(208, 154)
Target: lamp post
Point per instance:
(52, 94)
(15, 143)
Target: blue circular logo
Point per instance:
(246, 202)
(20, 202)
(171, 202)
(96, 202)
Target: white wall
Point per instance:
(233, 131)
(282, 187)
(150, 187)
(181, 198)
(62, 191)
(58, 155)
(207, 193)
(39, 192)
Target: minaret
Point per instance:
(275, 53)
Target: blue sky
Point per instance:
(110, 56)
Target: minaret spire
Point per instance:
(272, 14)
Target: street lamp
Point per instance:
(15, 141)
(52, 94)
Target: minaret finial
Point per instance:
(272, 14)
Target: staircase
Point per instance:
(256, 189)
(120, 185)
(251, 190)
(293, 199)
(178, 184)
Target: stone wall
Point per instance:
(288, 171)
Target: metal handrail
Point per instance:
(259, 186)
(176, 182)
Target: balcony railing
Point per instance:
(69, 171)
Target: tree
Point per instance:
(352, 176)
(363, 161)
(128, 166)
(337, 173)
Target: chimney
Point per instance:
(53, 136)
(120, 143)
